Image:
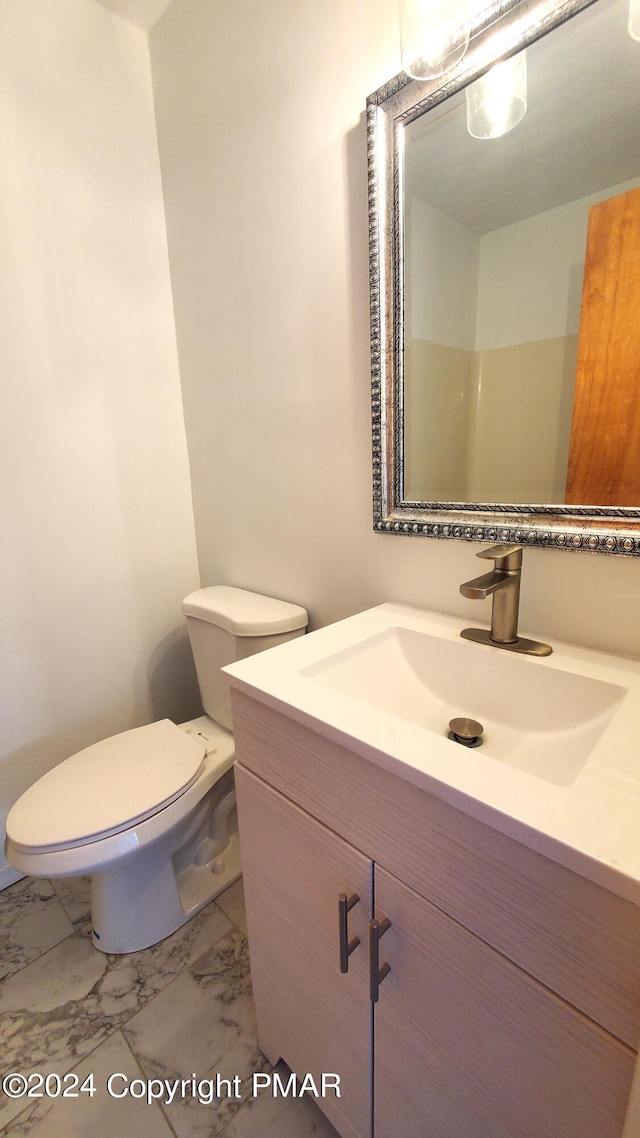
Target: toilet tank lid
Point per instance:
(244, 613)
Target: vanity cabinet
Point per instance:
(469, 1045)
(512, 1005)
(294, 870)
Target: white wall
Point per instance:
(96, 516)
(260, 111)
(444, 266)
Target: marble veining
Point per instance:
(51, 1118)
(32, 920)
(181, 1010)
(74, 894)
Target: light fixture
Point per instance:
(434, 35)
(497, 101)
(634, 19)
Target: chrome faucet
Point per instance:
(503, 583)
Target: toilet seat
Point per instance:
(106, 788)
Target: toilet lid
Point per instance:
(107, 787)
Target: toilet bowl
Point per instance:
(150, 813)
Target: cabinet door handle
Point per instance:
(377, 973)
(346, 946)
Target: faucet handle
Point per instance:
(507, 557)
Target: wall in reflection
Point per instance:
(492, 330)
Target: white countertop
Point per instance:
(588, 821)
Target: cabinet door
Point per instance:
(467, 1045)
(315, 1017)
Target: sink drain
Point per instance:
(468, 732)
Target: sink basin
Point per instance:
(542, 720)
(559, 765)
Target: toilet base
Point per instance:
(139, 900)
(130, 915)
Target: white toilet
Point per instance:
(150, 813)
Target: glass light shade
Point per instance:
(634, 19)
(434, 35)
(497, 101)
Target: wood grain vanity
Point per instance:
(511, 1008)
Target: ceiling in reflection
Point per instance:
(583, 82)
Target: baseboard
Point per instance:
(8, 875)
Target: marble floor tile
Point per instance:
(214, 925)
(203, 1026)
(99, 1114)
(32, 921)
(74, 894)
(232, 903)
(66, 1003)
(181, 1010)
(267, 1117)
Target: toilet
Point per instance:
(150, 813)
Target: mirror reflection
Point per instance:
(522, 284)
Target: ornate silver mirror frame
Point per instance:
(501, 31)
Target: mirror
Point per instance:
(500, 408)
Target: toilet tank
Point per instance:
(226, 624)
